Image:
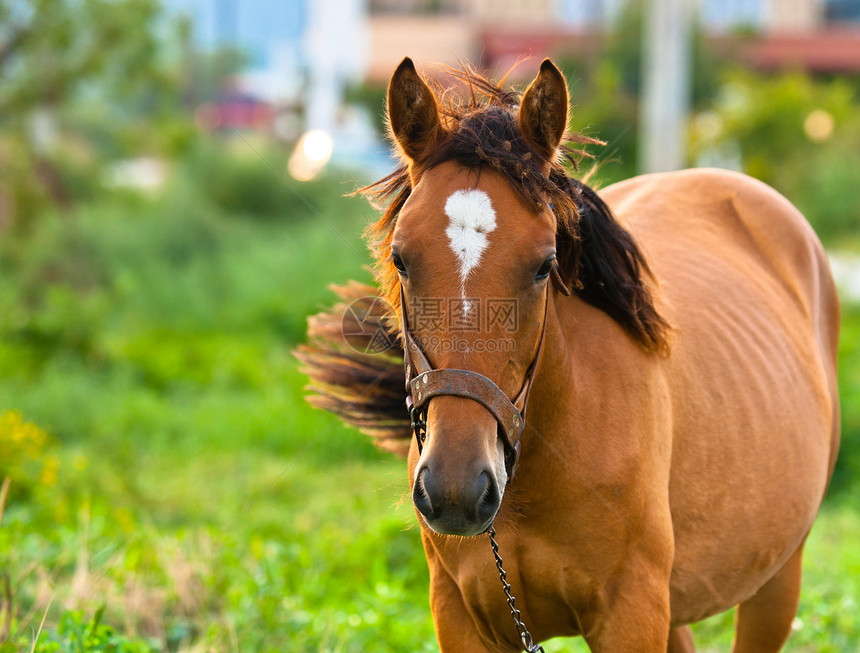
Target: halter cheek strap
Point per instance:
(423, 383)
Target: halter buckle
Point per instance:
(418, 422)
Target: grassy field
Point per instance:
(171, 490)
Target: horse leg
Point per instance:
(641, 625)
(634, 617)
(455, 628)
(681, 640)
(631, 612)
(764, 619)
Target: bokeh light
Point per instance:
(818, 125)
(311, 154)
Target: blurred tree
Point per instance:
(52, 49)
(799, 134)
(606, 90)
(625, 51)
(99, 63)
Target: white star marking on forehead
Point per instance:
(471, 218)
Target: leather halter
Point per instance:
(423, 383)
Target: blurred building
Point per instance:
(819, 35)
(306, 53)
(301, 53)
(286, 40)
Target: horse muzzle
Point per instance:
(465, 506)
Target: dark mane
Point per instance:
(598, 258)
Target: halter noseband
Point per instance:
(423, 383)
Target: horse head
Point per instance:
(473, 259)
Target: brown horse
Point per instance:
(674, 338)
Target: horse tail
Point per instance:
(355, 366)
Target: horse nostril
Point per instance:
(488, 497)
(420, 497)
(458, 510)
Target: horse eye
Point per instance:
(398, 263)
(545, 269)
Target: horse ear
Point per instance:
(543, 112)
(412, 111)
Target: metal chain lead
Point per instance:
(522, 631)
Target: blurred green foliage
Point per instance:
(248, 178)
(55, 49)
(766, 121)
(846, 477)
(754, 121)
(84, 84)
(605, 91)
(28, 461)
(75, 635)
(59, 55)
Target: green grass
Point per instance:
(185, 486)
